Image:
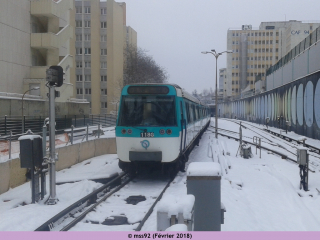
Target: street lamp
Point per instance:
(214, 53)
(35, 88)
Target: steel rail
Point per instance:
(48, 225)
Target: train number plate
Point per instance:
(146, 134)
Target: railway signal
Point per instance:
(55, 79)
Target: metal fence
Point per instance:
(303, 45)
(35, 123)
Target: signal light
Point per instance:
(55, 76)
(162, 131)
(123, 131)
(169, 131)
(129, 131)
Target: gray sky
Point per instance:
(176, 31)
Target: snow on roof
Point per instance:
(204, 169)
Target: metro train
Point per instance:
(157, 127)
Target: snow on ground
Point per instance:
(258, 194)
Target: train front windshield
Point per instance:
(147, 111)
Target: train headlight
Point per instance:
(169, 131)
(123, 131)
(162, 131)
(129, 131)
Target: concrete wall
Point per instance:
(11, 175)
(297, 101)
(303, 64)
(15, 53)
(115, 45)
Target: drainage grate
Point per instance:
(135, 199)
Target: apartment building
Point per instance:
(101, 39)
(255, 50)
(35, 34)
(222, 79)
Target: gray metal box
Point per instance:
(302, 156)
(31, 152)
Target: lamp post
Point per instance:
(35, 88)
(216, 55)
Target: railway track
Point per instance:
(313, 163)
(115, 201)
(289, 141)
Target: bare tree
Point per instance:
(141, 68)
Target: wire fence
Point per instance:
(35, 123)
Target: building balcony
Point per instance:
(44, 40)
(51, 40)
(49, 8)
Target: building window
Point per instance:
(103, 24)
(267, 34)
(270, 58)
(277, 41)
(251, 82)
(277, 58)
(87, 10)
(78, 37)
(79, 78)
(87, 51)
(87, 64)
(87, 78)
(104, 65)
(79, 64)
(87, 24)
(88, 91)
(271, 34)
(277, 49)
(78, 9)
(277, 33)
(103, 91)
(79, 91)
(103, 52)
(267, 58)
(103, 78)
(103, 38)
(78, 51)
(104, 105)
(78, 24)
(87, 37)
(103, 11)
